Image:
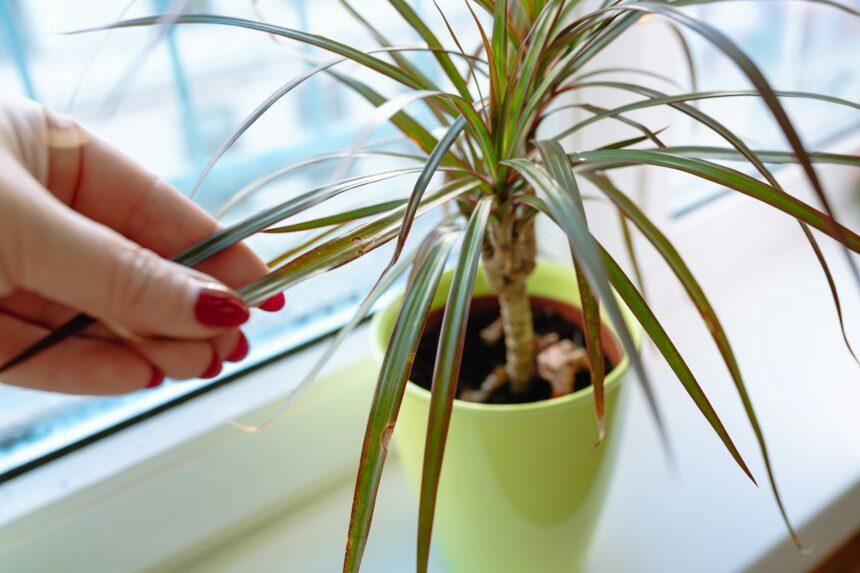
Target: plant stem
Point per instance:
(509, 258)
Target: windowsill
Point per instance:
(179, 479)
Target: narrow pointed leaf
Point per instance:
(428, 36)
(342, 217)
(766, 156)
(725, 176)
(315, 40)
(564, 211)
(292, 168)
(633, 299)
(447, 371)
(386, 280)
(657, 100)
(830, 3)
(755, 76)
(624, 70)
(706, 311)
(347, 247)
(427, 173)
(390, 386)
(558, 165)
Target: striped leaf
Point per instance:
(390, 386)
(447, 371)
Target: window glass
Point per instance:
(170, 104)
(800, 47)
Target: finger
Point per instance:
(104, 274)
(180, 360)
(76, 366)
(106, 186)
(232, 346)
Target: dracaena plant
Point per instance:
(495, 176)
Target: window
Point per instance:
(183, 99)
(794, 45)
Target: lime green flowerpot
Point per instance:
(521, 487)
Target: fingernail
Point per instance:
(156, 380)
(214, 368)
(241, 350)
(220, 309)
(274, 304)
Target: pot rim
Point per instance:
(612, 379)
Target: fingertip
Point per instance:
(275, 303)
(214, 368)
(156, 380)
(241, 350)
(220, 309)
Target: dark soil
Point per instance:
(480, 359)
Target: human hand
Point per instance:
(84, 230)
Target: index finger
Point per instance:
(103, 184)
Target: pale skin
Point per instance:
(85, 229)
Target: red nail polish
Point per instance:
(274, 304)
(241, 351)
(156, 380)
(214, 368)
(220, 309)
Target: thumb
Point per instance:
(75, 261)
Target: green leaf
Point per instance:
(831, 3)
(297, 166)
(625, 70)
(706, 311)
(382, 115)
(742, 151)
(386, 280)
(630, 247)
(342, 217)
(633, 299)
(562, 208)
(428, 36)
(252, 118)
(240, 231)
(390, 386)
(603, 159)
(402, 121)
(427, 173)
(453, 34)
(304, 245)
(755, 76)
(558, 165)
(625, 143)
(641, 127)
(657, 100)
(688, 55)
(402, 61)
(315, 40)
(499, 43)
(528, 64)
(834, 292)
(447, 371)
(347, 247)
(766, 156)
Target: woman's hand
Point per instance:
(85, 230)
